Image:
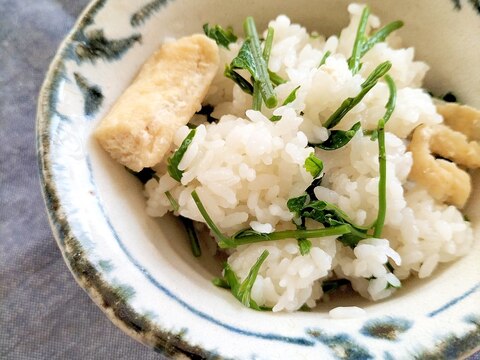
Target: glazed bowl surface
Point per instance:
(140, 271)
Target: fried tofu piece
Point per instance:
(454, 145)
(462, 118)
(444, 180)
(170, 87)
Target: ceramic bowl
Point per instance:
(140, 271)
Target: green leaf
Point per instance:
(313, 165)
(331, 215)
(223, 37)
(350, 240)
(339, 138)
(304, 245)
(220, 282)
(243, 83)
(296, 205)
(324, 217)
(176, 158)
(231, 279)
(289, 99)
(245, 59)
(276, 79)
(349, 103)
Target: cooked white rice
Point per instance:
(245, 168)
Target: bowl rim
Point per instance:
(83, 270)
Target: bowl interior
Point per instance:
(167, 236)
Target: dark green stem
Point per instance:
(257, 97)
(266, 87)
(381, 35)
(354, 60)
(267, 47)
(172, 201)
(350, 103)
(382, 183)
(245, 288)
(382, 158)
(222, 238)
(192, 236)
(226, 242)
(289, 234)
(392, 99)
(324, 58)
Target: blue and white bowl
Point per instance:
(140, 271)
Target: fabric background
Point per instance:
(44, 314)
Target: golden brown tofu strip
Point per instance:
(169, 89)
(444, 180)
(461, 118)
(454, 145)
